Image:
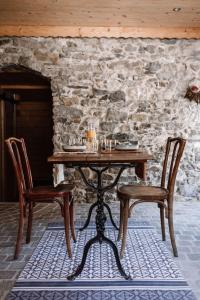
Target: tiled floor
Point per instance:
(187, 225)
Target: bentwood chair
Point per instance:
(162, 195)
(29, 195)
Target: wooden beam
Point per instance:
(23, 87)
(126, 32)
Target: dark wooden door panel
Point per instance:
(30, 118)
(34, 123)
(8, 180)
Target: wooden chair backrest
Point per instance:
(19, 157)
(173, 154)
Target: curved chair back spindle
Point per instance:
(174, 150)
(18, 153)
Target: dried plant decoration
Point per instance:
(193, 94)
(193, 91)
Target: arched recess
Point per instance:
(26, 111)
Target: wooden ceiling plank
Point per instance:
(77, 17)
(74, 31)
(102, 18)
(93, 9)
(23, 87)
(61, 4)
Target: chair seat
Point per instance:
(142, 192)
(47, 192)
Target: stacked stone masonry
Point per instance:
(133, 88)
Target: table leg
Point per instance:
(85, 252)
(89, 216)
(110, 214)
(86, 249)
(118, 262)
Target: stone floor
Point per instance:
(187, 225)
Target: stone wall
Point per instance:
(134, 87)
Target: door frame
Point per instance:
(2, 148)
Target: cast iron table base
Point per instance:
(90, 213)
(100, 216)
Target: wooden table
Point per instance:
(99, 163)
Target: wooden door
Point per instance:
(29, 117)
(34, 123)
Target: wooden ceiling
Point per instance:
(97, 18)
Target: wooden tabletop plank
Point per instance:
(121, 157)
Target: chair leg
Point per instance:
(120, 221)
(171, 231)
(125, 225)
(20, 232)
(162, 222)
(30, 220)
(67, 225)
(71, 212)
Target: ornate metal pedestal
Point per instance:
(100, 216)
(90, 213)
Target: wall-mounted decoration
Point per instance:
(193, 91)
